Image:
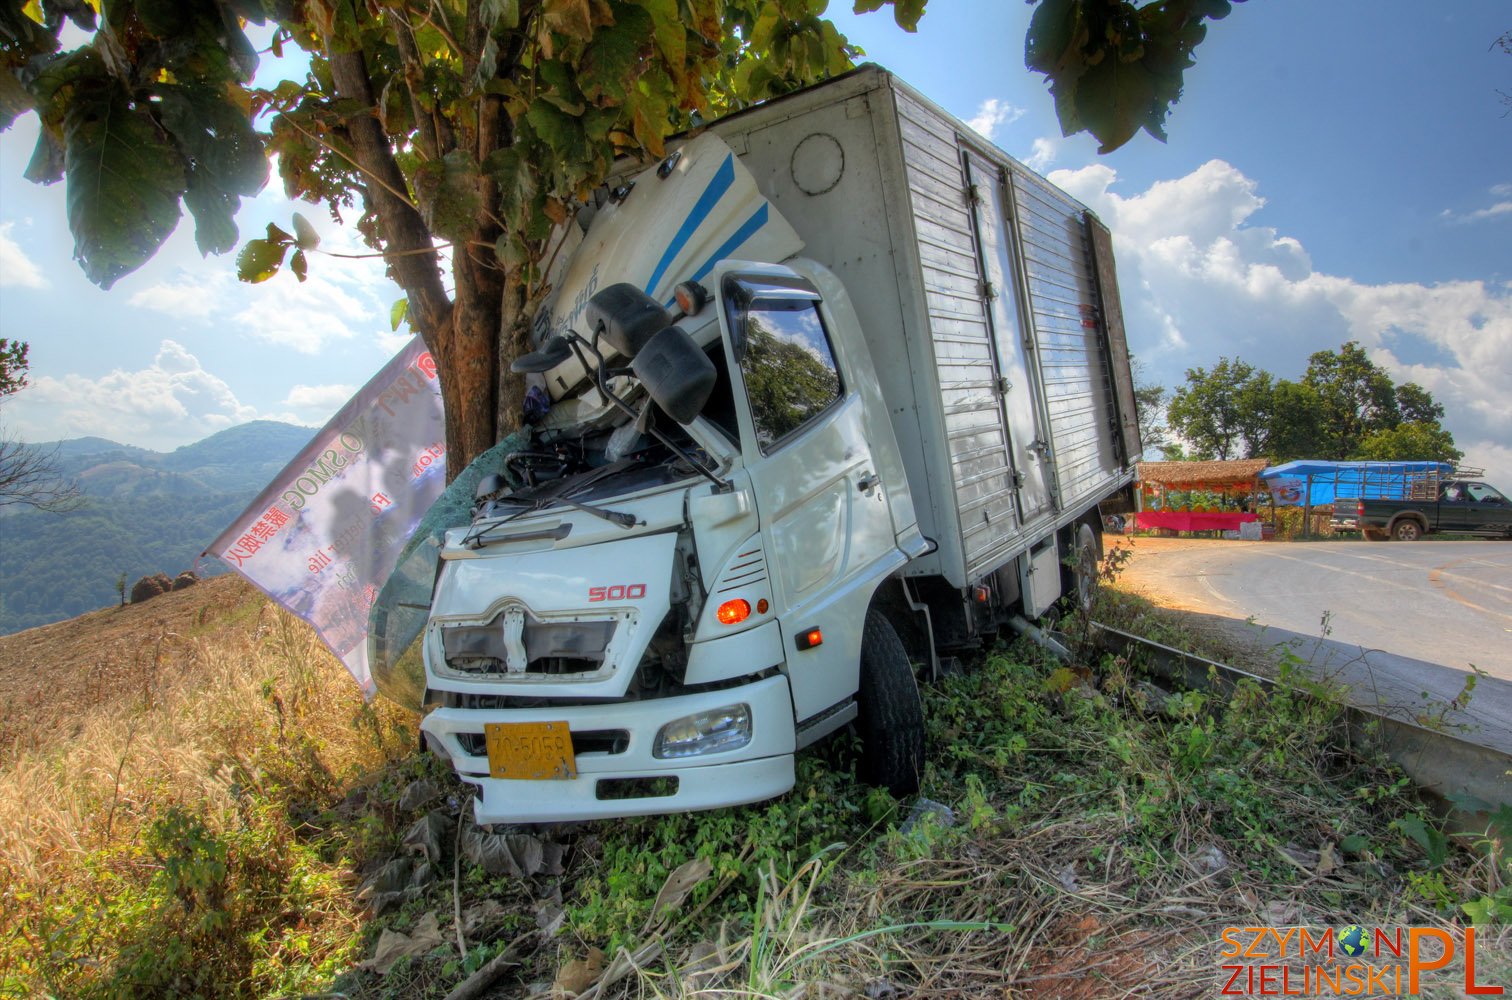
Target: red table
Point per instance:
(1193, 520)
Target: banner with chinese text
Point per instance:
(323, 537)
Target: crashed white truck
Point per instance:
(836, 388)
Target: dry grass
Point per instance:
(210, 700)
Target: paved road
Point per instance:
(1402, 618)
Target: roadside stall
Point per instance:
(1199, 496)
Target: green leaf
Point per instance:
(15, 100)
(1113, 100)
(1055, 37)
(217, 137)
(516, 182)
(259, 260)
(46, 165)
(559, 130)
(304, 234)
(450, 200)
(397, 313)
(299, 264)
(573, 18)
(510, 251)
(124, 182)
(214, 214)
(612, 63)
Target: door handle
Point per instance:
(867, 481)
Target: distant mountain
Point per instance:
(145, 512)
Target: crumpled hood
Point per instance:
(516, 604)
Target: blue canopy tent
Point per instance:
(1306, 482)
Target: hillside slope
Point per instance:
(112, 658)
(144, 512)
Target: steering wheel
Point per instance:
(535, 467)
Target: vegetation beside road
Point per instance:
(203, 825)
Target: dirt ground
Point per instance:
(110, 656)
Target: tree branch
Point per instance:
(404, 232)
(30, 476)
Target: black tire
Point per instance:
(891, 717)
(1082, 589)
(1407, 530)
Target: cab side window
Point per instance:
(784, 354)
(1481, 493)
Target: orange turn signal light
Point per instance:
(808, 640)
(733, 612)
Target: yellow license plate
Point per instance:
(530, 751)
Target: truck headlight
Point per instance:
(716, 731)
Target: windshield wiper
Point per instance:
(475, 538)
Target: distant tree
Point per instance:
(1296, 423)
(1415, 405)
(1410, 442)
(13, 363)
(1149, 405)
(28, 475)
(1223, 413)
(1115, 67)
(121, 588)
(1356, 396)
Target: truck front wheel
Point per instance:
(891, 716)
(1407, 530)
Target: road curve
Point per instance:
(1448, 603)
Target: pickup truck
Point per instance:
(1472, 508)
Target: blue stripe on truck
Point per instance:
(718, 185)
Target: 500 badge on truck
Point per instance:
(618, 592)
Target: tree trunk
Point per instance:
(514, 340)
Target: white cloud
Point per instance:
(171, 402)
(1199, 280)
(15, 267)
(993, 113)
(306, 316)
(315, 404)
(340, 299)
(195, 298)
(1043, 153)
(1498, 208)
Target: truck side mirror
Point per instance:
(626, 318)
(677, 374)
(552, 352)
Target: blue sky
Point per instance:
(1335, 171)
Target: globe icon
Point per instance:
(1352, 940)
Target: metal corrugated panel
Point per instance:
(1063, 307)
(982, 479)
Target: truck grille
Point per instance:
(514, 643)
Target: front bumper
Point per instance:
(760, 770)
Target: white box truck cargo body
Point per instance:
(836, 387)
(1000, 353)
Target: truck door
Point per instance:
(1489, 510)
(824, 512)
(1013, 343)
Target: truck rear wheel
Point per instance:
(1083, 583)
(1407, 530)
(891, 716)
